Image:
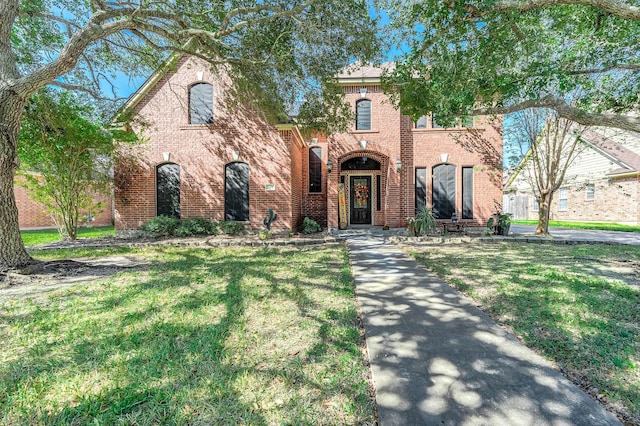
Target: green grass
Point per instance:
(603, 226)
(202, 336)
(577, 305)
(44, 236)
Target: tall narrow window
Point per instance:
(201, 103)
(590, 192)
(168, 190)
(315, 169)
(421, 188)
(467, 192)
(236, 191)
(363, 114)
(422, 122)
(563, 201)
(535, 207)
(434, 122)
(444, 191)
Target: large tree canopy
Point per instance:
(501, 56)
(277, 49)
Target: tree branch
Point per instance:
(632, 67)
(625, 122)
(616, 8)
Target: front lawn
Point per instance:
(44, 236)
(201, 336)
(578, 306)
(600, 226)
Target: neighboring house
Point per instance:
(206, 155)
(32, 214)
(602, 183)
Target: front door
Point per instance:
(360, 195)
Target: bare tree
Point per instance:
(548, 144)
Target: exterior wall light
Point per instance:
(329, 166)
(398, 165)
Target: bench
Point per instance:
(454, 227)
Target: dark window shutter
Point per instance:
(236, 192)
(421, 188)
(378, 193)
(201, 104)
(444, 191)
(467, 192)
(363, 114)
(168, 190)
(315, 169)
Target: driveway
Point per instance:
(614, 237)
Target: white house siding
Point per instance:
(615, 200)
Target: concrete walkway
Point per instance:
(582, 235)
(438, 360)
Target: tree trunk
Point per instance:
(12, 251)
(544, 210)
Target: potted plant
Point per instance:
(423, 223)
(500, 223)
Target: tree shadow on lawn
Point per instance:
(147, 352)
(586, 324)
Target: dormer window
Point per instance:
(363, 114)
(201, 104)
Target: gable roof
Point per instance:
(363, 73)
(612, 146)
(135, 98)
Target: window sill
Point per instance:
(364, 131)
(447, 129)
(197, 126)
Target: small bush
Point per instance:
(231, 227)
(163, 226)
(160, 226)
(196, 226)
(310, 226)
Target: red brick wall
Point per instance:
(392, 137)
(34, 215)
(202, 151)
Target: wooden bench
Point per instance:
(454, 227)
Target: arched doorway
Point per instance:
(361, 189)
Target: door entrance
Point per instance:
(360, 196)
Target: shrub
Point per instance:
(163, 226)
(310, 226)
(231, 227)
(160, 226)
(196, 226)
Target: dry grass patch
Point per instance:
(202, 336)
(579, 306)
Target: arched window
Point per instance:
(236, 191)
(201, 103)
(168, 190)
(363, 114)
(315, 169)
(444, 191)
(422, 122)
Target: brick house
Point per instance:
(34, 215)
(602, 184)
(205, 155)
